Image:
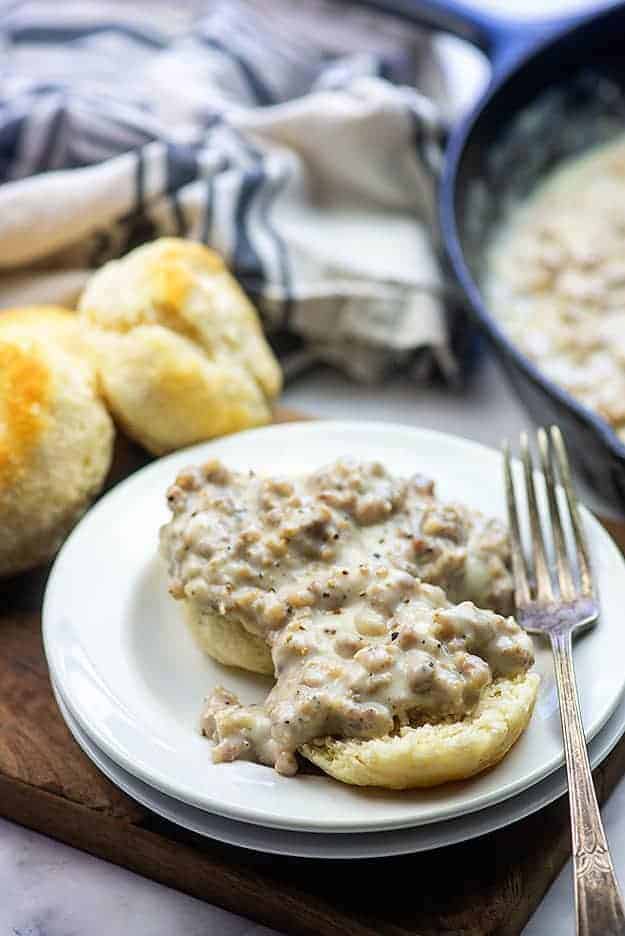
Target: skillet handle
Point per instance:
(502, 39)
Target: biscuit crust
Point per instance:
(180, 348)
(56, 442)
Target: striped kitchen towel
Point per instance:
(300, 140)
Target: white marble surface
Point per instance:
(49, 889)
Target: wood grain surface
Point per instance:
(487, 887)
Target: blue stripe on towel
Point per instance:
(10, 133)
(269, 194)
(55, 128)
(246, 261)
(182, 166)
(178, 212)
(50, 33)
(207, 215)
(181, 170)
(259, 89)
(139, 182)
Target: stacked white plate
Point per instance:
(130, 681)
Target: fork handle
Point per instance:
(598, 901)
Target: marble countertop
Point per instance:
(49, 889)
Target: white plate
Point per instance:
(126, 664)
(360, 844)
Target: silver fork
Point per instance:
(557, 609)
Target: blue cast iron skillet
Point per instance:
(556, 88)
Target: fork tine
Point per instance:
(519, 568)
(544, 590)
(565, 580)
(583, 557)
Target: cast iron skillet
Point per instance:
(557, 87)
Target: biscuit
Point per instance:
(228, 642)
(180, 350)
(435, 753)
(56, 439)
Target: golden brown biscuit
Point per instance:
(56, 442)
(181, 352)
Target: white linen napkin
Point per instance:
(301, 141)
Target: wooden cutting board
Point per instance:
(487, 887)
